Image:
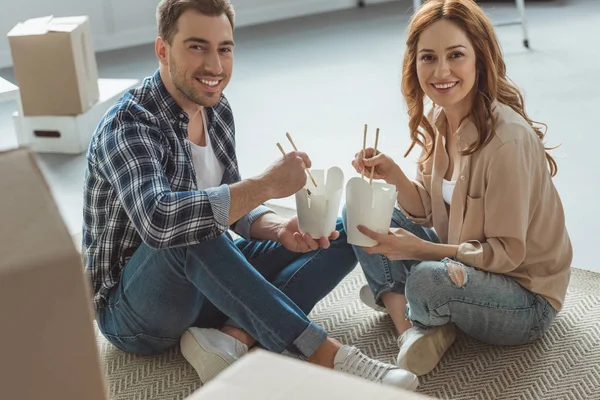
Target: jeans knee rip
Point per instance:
(457, 272)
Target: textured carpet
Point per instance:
(565, 364)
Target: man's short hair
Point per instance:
(169, 11)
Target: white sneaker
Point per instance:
(421, 350)
(366, 296)
(210, 351)
(351, 360)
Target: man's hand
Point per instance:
(281, 179)
(397, 244)
(291, 238)
(287, 175)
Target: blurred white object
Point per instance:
(8, 91)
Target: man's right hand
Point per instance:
(287, 175)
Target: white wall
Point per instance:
(122, 23)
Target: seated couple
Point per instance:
(478, 243)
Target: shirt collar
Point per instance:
(166, 101)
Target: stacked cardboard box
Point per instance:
(55, 65)
(61, 98)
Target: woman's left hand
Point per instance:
(397, 244)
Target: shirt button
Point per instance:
(462, 178)
(181, 116)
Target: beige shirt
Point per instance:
(506, 215)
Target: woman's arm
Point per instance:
(513, 179)
(413, 198)
(429, 251)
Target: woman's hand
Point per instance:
(397, 244)
(385, 167)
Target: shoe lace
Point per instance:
(359, 364)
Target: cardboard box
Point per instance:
(55, 65)
(69, 134)
(47, 346)
(262, 375)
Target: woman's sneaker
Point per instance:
(366, 296)
(422, 349)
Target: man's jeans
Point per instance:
(490, 307)
(260, 287)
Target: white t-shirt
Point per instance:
(448, 190)
(209, 170)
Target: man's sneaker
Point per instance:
(421, 350)
(350, 360)
(210, 351)
(366, 296)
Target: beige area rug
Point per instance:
(565, 364)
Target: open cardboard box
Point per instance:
(47, 344)
(55, 65)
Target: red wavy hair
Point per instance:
(491, 83)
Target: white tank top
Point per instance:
(209, 170)
(448, 190)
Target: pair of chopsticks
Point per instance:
(362, 154)
(296, 149)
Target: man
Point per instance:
(162, 189)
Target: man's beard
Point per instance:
(188, 91)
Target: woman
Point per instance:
(479, 242)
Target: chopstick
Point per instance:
(374, 154)
(295, 148)
(362, 153)
(283, 153)
(281, 149)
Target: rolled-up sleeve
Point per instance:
(243, 225)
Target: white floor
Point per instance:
(322, 78)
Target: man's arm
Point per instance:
(247, 225)
(266, 227)
(130, 158)
(409, 198)
(246, 196)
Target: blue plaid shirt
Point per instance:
(140, 184)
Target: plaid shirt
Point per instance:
(140, 184)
